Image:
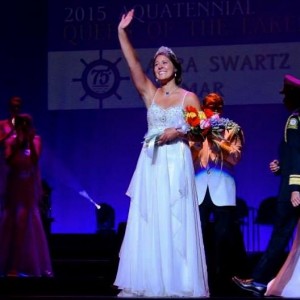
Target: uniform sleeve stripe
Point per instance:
(295, 181)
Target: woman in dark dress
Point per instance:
(23, 248)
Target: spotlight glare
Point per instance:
(84, 194)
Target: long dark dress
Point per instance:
(23, 244)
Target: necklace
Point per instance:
(168, 93)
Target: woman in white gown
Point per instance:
(287, 281)
(162, 254)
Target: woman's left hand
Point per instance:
(168, 135)
(126, 19)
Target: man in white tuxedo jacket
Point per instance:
(214, 160)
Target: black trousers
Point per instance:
(223, 241)
(285, 222)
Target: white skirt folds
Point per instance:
(162, 254)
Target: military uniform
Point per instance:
(287, 211)
(287, 216)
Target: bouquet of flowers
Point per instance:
(218, 125)
(198, 124)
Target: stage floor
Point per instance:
(84, 268)
(76, 289)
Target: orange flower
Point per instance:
(192, 116)
(195, 119)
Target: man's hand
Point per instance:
(295, 198)
(274, 166)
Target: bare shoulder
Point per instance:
(191, 99)
(37, 138)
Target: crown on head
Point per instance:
(165, 50)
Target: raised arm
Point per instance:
(143, 84)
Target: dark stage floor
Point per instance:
(84, 268)
(75, 288)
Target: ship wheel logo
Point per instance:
(100, 79)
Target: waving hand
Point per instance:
(126, 19)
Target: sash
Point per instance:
(151, 145)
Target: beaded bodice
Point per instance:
(161, 118)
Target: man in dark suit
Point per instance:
(287, 206)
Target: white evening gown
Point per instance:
(287, 281)
(162, 254)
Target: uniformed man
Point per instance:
(288, 202)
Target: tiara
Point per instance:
(164, 50)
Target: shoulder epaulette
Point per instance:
(292, 123)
